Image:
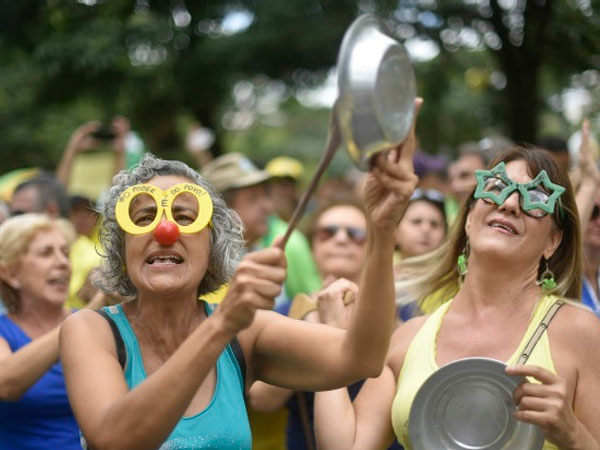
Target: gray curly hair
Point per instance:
(226, 240)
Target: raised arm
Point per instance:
(80, 140)
(365, 423)
(111, 416)
(589, 185)
(121, 127)
(335, 304)
(314, 357)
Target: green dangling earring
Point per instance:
(547, 280)
(461, 261)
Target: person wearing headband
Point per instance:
(167, 370)
(513, 255)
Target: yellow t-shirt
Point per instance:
(92, 173)
(216, 296)
(83, 257)
(419, 363)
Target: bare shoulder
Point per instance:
(82, 318)
(401, 340)
(576, 329)
(86, 326)
(406, 331)
(575, 320)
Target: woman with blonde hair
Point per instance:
(512, 258)
(34, 281)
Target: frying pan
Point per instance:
(377, 90)
(375, 106)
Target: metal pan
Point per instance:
(375, 106)
(377, 90)
(468, 404)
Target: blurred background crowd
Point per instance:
(242, 92)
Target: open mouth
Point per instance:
(503, 226)
(341, 255)
(60, 281)
(164, 259)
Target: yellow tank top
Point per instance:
(419, 363)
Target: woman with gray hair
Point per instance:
(166, 370)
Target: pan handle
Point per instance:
(333, 141)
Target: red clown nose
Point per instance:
(166, 233)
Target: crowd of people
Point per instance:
(164, 312)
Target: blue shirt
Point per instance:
(588, 297)
(42, 418)
(223, 424)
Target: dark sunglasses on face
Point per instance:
(433, 195)
(595, 212)
(356, 235)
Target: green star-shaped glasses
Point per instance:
(495, 186)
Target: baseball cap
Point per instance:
(284, 166)
(233, 171)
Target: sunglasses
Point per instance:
(356, 235)
(433, 195)
(595, 212)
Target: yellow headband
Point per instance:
(164, 202)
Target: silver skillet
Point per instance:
(375, 105)
(376, 90)
(468, 404)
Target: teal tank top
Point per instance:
(223, 425)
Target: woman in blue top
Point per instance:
(34, 281)
(169, 238)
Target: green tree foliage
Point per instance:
(528, 40)
(166, 64)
